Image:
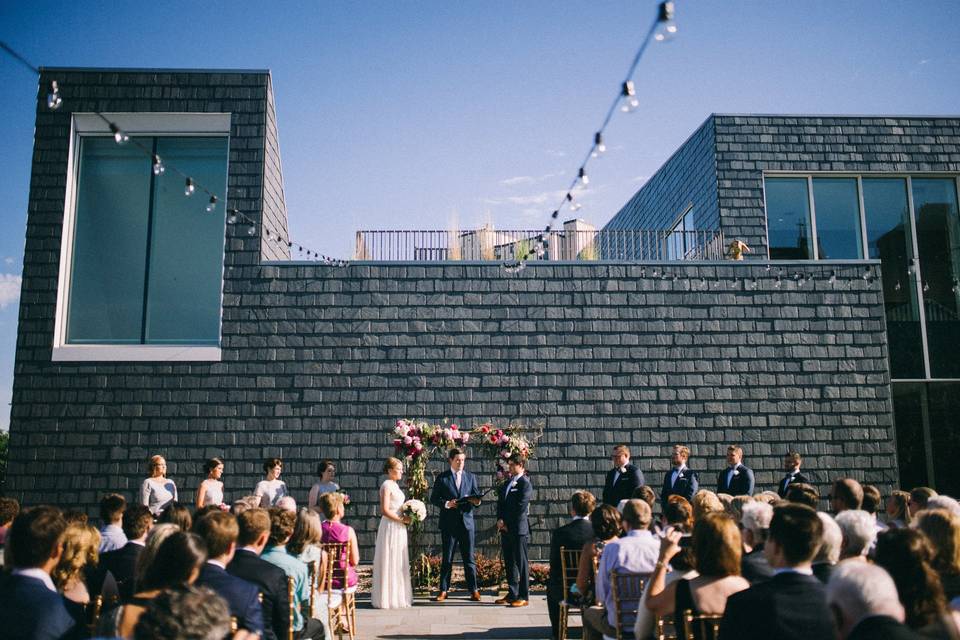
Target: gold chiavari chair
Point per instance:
(569, 564)
(95, 609)
(234, 625)
(700, 627)
(313, 569)
(292, 603)
(627, 590)
(341, 601)
(662, 630)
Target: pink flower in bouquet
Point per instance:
(501, 474)
(418, 446)
(493, 439)
(505, 453)
(499, 432)
(484, 429)
(407, 440)
(465, 438)
(505, 440)
(346, 498)
(398, 443)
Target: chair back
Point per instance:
(337, 556)
(94, 609)
(663, 630)
(699, 627)
(627, 590)
(292, 602)
(569, 564)
(313, 569)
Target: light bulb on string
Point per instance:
(212, 204)
(955, 286)
(252, 230)
(118, 136)
(779, 282)
(232, 216)
(53, 97)
(584, 178)
(833, 277)
(926, 287)
(897, 286)
(598, 146)
(667, 28)
(868, 274)
(189, 187)
(628, 93)
(158, 167)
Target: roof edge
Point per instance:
(149, 70)
(831, 115)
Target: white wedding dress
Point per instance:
(391, 562)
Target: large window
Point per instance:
(788, 219)
(681, 241)
(143, 262)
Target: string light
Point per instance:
(584, 178)
(118, 136)
(53, 98)
(598, 146)
(212, 204)
(232, 216)
(629, 94)
(189, 188)
(668, 28)
(158, 167)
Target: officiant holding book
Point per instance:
(456, 493)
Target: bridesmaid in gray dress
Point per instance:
(210, 491)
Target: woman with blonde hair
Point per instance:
(943, 530)
(157, 491)
(79, 557)
(391, 566)
(898, 510)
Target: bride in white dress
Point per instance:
(391, 562)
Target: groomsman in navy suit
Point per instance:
(791, 464)
(622, 479)
(680, 480)
(736, 479)
(513, 510)
(456, 493)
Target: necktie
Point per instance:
(730, 476)
(458, 480)
(676, 473)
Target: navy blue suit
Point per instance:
(686, 485)
(30, 611)
(741, 484)
(122, 564)
(242, 596)
(273, 583)
(622, 489)
(456, 525)
(513, 507)
(789, 606)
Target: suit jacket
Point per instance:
(754, 566)
(122, 563)
(272, 582)
(240, 594)
(882, 628)
(787, 481)
(514, 507)
(622, 489)
(789, 606)
(30, 611)
(686, 485)
(822, 571)
(444, 489)
(741, 484)
(572, 535)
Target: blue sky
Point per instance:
(420, 115)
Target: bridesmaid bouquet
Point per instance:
(415, 510)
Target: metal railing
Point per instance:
(490, 244)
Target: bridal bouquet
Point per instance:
(415, 510)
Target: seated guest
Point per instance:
(717, 549)
(802, 493)
(682, 566)
(272, 488)
(158, 534)
(243, 504)
(942, 528)
(112, 537)
(157, 491)
(571, 536)
(906, 554)
(647, 494)
(178, 514)
(254, 525)
(122, 563)
(735, 507)
(282, 523)
(898, 512)
(333, 530)
(680, 480)
(30, 607)
(9, 508)
(304, 544)
(704, 502)
(287, 503)
(944, 502)
(755, 523)
(605, 523)
(871, 504)
(326, 471)
(182, 614)
(210, 491)
(792, 605)
(678, 513)
(791, 464)
(636, 552)
(768, 497)
(846, 494)
(919, 498)
(737, 478)
(80, 543)
(863, 601)
(220, 532)
(176, 565)
(859, 533)
(828, 555)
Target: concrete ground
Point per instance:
(458, 618)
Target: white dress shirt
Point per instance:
(37, 574)
(636, 552)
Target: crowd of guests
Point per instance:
(767, 565)
(160, 569)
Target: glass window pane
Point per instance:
(938, 241)
(888, 238)
(908, 422)
(944, 398)
(838, 218)
(186, 248)
(788, 219)
(109, 244)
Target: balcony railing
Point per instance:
(489, 244)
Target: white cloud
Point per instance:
(512, 182)
(542, 198)
(924, 61)
(640, 179)
(9, 289)
(8, 260)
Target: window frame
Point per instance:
(141, 124)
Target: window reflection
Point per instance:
(788, 219)
(837, 210)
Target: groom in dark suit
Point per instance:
(737, 478)
(680, 480)
(513, 510)
(622, 479)
(456, 493)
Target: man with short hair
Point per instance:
(122, 563)
(865, 604)
(190, 612)
(680, 480)
(457, 493)
(254, 525)
(791, 464)
(792, 605)
(282, 523)
(859, 533)
(755, 523)
(112, 536)
(9, 508)
(220, 531)
(803, 493)
(571, 537)
(636, 552)
(846, 493)
(919, 497)
(622, 479)
(30, 607)
(513, 510)
(737, 478)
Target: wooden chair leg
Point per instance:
(562, 622)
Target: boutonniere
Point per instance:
(735, 473)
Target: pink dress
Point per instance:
(339, 532)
